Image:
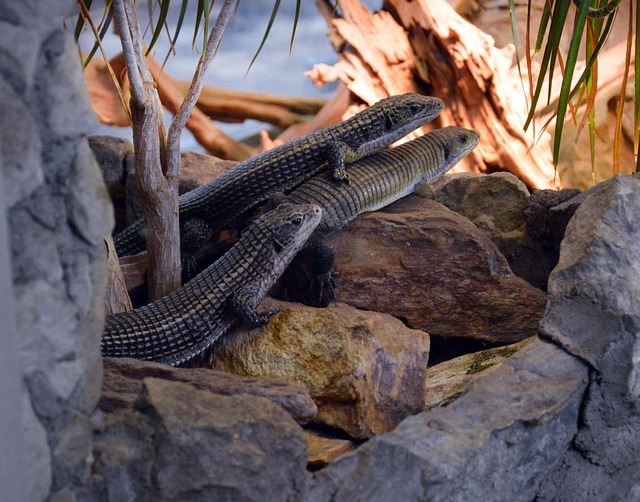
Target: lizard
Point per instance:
(249, 183)
(376, 181)
(186, 323)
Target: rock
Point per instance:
(427, 265)
(496, 204)
(115, 158)
(498, 441)
(546, 223)
(364, 370)
(448, 380)
(123, 382)
(181, 443)
(593, 312)
(198, 169)
(322, 450)
(21, 150)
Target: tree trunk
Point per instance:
(426, 46)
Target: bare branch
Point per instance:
(135, 78)
(181, 117)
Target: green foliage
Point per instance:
(593, 21)
(158, 23)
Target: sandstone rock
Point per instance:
(496, 204)
(425, 264)
(496, 442)
(182, 443)
(364, 370)
(198, 169)
(322, 450)
(448, 380)
(123, 382)
(593, 312)
(115, 158)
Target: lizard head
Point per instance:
(405, 112)
(457, 142)
(288, 227)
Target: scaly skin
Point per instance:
(283, 168)
(376, 181)
(186, 323)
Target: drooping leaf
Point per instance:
(162, 17)
(274, 12)
(617, 136)
(295, 24)
(104, 27)
(574, 46)
(81, 19)
(550, 53)
(176, 33)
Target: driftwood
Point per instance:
(116, 297)
(236, 106)
(433, 50)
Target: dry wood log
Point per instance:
(236, 106)
(116, 297)
(433, 50)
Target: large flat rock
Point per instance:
(427, 265)
(497, 442)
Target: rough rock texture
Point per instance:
(181, 443)
(322, 450)
(496, 204)
(593, 312)
(59, 214)
(446, 381)
(427, 265)
(116, 161)
(123, 382)
(364, 370)
(497, 442)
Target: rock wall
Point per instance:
(58, 213)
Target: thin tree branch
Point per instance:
(135, 78)
(181, 117)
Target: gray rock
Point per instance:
(90, 210)
(18, 61)
(123, 382)
(432, 267)
(20, 146)
(188, 444)
(115, 158)
(593, 312)
(497, 442)
(60, 92)
(496, 204)
(37, 452)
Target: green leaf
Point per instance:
(274, 12)
(162, 17)
(103, 31)
(550, 52)
(174, 39)
(574, 47)
(201, 12)
(295, 24)
(80, 22)
(544, 21)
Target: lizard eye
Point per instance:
(296, 220)
(415, 107)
